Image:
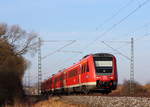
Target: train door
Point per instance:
(84, 73)
(64, 79)
(55, 82)
(79, 74)
(50, 84)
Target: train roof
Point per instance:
(94, 55)
(99, 55)
(103, 55)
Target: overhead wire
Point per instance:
(134, 31)
(70, 51)
(116, 50)
(137, 29)
(115, 14)
(137, 39)
(145, 35)
(122, 20)
(59, 49)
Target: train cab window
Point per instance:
(104, 65)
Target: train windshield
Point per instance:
(103, 65)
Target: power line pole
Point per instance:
(132, 68)
(39, 68)
(131, 86)
(40, 59)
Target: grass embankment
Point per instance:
(51, 102)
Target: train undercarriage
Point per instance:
(100, 87)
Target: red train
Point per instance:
(94, 73)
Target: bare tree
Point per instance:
(20, 40)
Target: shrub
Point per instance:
(137, 88)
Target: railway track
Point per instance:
(109, 101)
(98, 100)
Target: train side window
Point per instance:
(55, 80)
(73, 73)
(87, 67)
(67, 74)
(82, 70)
(70, 74)
(61, 77)
(50, 81)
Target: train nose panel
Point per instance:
(103, 78)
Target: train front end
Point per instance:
(106, 71)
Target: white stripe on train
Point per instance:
(76, 85)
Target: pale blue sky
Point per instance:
(83, 20)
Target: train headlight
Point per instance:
(111, 77)
(98, 77)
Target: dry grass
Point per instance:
(147, 87)
(57, 102)
(117, 91)
(51, 102)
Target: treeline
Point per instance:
(14, 43)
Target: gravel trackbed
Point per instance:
(103, 101)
